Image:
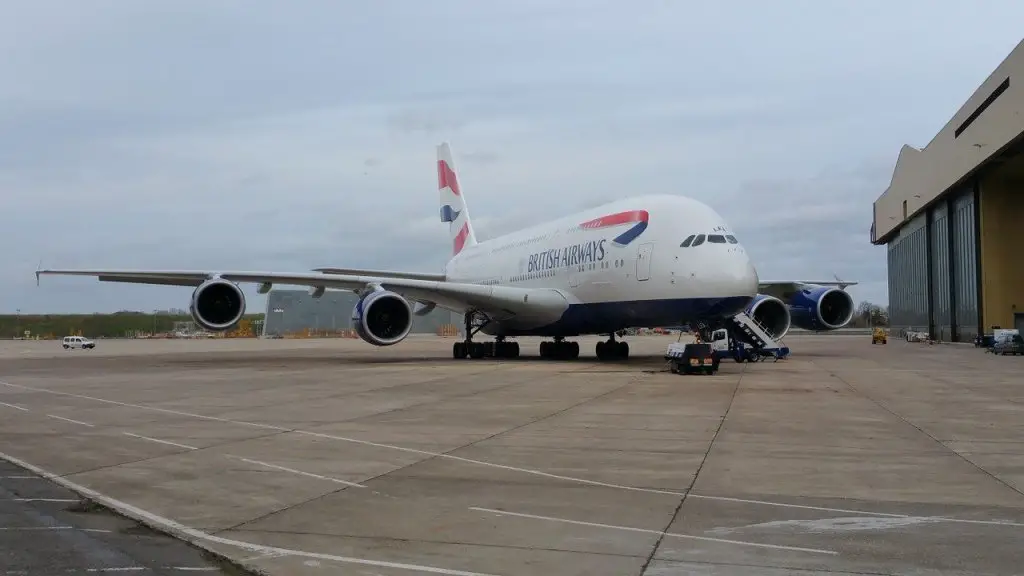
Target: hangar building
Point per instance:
(953, 218)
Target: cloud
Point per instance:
(226, 134)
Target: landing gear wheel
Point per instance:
(612, 350)
(459, 350)
(560, 350)
(503, 349)
(477, 350)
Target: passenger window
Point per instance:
(731, 239)
(716, 239)
(686, 243)
(698, 240)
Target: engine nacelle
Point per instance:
(771, 313)
(217, 305)
(382, 318)
(821, 308)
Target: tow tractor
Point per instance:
(693, 358)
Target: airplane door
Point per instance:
(574, 280)
(643, 261)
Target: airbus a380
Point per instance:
(645, 261)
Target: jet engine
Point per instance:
(382, 318)
(771, 313)
(821, 308)
(217, 305)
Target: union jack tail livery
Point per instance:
(453, 204)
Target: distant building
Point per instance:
(294, 311)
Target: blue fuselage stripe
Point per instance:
(607, 317)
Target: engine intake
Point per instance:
(382, 318)
(217, 305)
(821, 308)
(771, 313)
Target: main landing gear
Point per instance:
(612, 349)
(559, 349)
(500, 348)
(556, 349)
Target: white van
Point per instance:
(78, 342)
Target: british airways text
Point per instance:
(571, 255)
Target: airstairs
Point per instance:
(744, 328)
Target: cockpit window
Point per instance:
(698, 240)
(686, 243)
(732, 239)
(716, 239)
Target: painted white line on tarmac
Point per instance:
(79, 422)
(658, 532)
(299, 472)
(64, 500)
(158, 441)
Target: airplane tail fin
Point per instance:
(453, 203)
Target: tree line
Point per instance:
(869, 315)
(116, 325)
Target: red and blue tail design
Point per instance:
(453, 205)
(638, 219)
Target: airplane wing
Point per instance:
(382, 273)
(785, 288)
(498, 302)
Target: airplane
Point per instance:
(646, 261)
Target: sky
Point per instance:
(241, 135)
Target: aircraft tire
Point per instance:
(506, 349)
(476, 350)
(617, 350)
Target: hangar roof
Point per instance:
(989, 122)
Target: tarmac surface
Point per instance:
(303, 457)
(48, 529)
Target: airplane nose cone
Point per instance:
(739, 277)
(730, 276)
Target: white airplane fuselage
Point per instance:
(618, 265)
